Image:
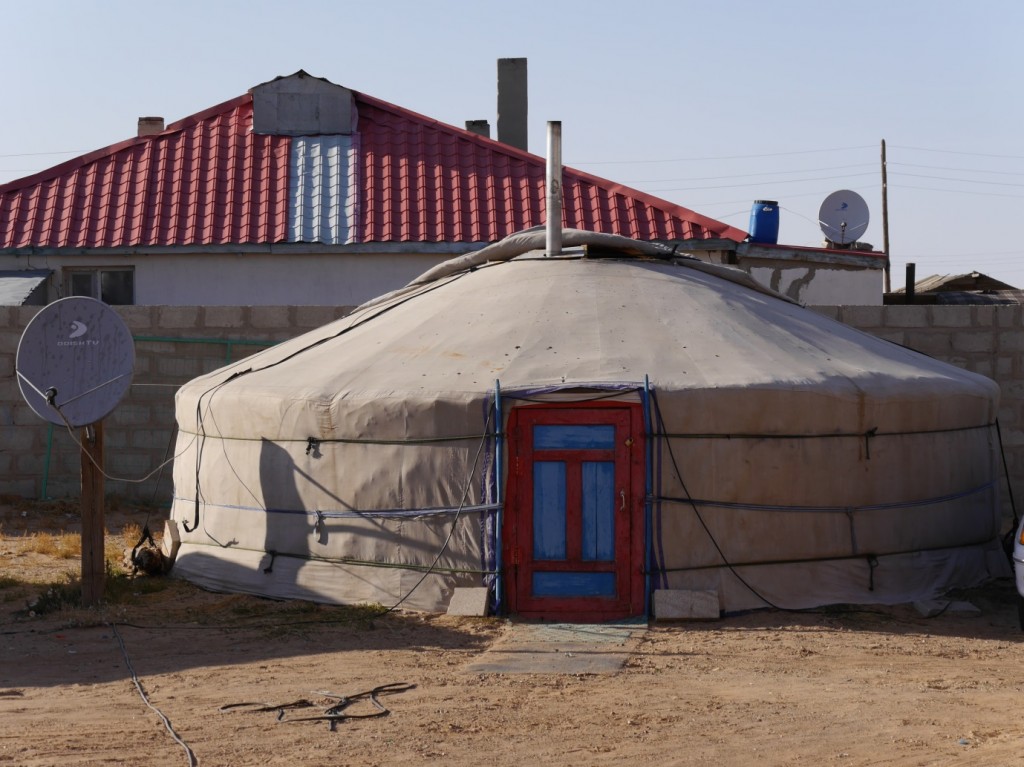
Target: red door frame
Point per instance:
(517, 535)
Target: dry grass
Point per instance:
(58, 545)
(130, 534)
(68, 545)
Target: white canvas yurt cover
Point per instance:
(575, 432)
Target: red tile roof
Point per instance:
(209, 180)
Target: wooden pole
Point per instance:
(885, 221)
(93, 501)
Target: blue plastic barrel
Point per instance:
(764, 222)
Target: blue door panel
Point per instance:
(549, 541)
(578, 437)
(599, 511)
(573, 584)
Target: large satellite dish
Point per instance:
(75, 361)
(843, 217)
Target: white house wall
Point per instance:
(303, 280)
(349, 279)
(819, 285)
(248, 279)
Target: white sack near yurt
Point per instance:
(778, 457)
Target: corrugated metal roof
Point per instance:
(323, 189)
(402, 177)
(987, 297)
(426, 181)
(205, 180)
(17, 286)
(972, 281)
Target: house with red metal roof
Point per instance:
(305, 192)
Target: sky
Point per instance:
(710, 105)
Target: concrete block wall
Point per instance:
(174, 344)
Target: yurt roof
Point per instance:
(605, 312)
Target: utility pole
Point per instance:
(885, 221)
(94, 565)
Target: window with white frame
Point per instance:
(114, 286)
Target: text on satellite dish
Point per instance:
(78, 329)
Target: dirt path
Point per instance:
(872, 687)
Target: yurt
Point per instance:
(575, 431)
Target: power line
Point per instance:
(1018, 252)
(958, 170)
(695, 205)
(744, 212)
(724, 157)
(956, 191)
(748, 175)
(762, 183)
(814, 221)
(953, 151)
(959, 180)
(948, 258)
(40, 154)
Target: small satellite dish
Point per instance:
(843, 217)
(75, 359)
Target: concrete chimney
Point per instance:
(479, 127)
(512, 102)
(150, 126)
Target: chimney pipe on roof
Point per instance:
(512, 102)
(554, 195)
(479, 127)
(150, 126)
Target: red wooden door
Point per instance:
(574, 518)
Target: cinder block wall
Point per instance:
(174, 344)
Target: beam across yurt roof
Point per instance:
(450, 434)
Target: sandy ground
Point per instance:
(852, 687)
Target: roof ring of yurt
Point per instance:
(576, 432)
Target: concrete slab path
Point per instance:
(560, 648)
